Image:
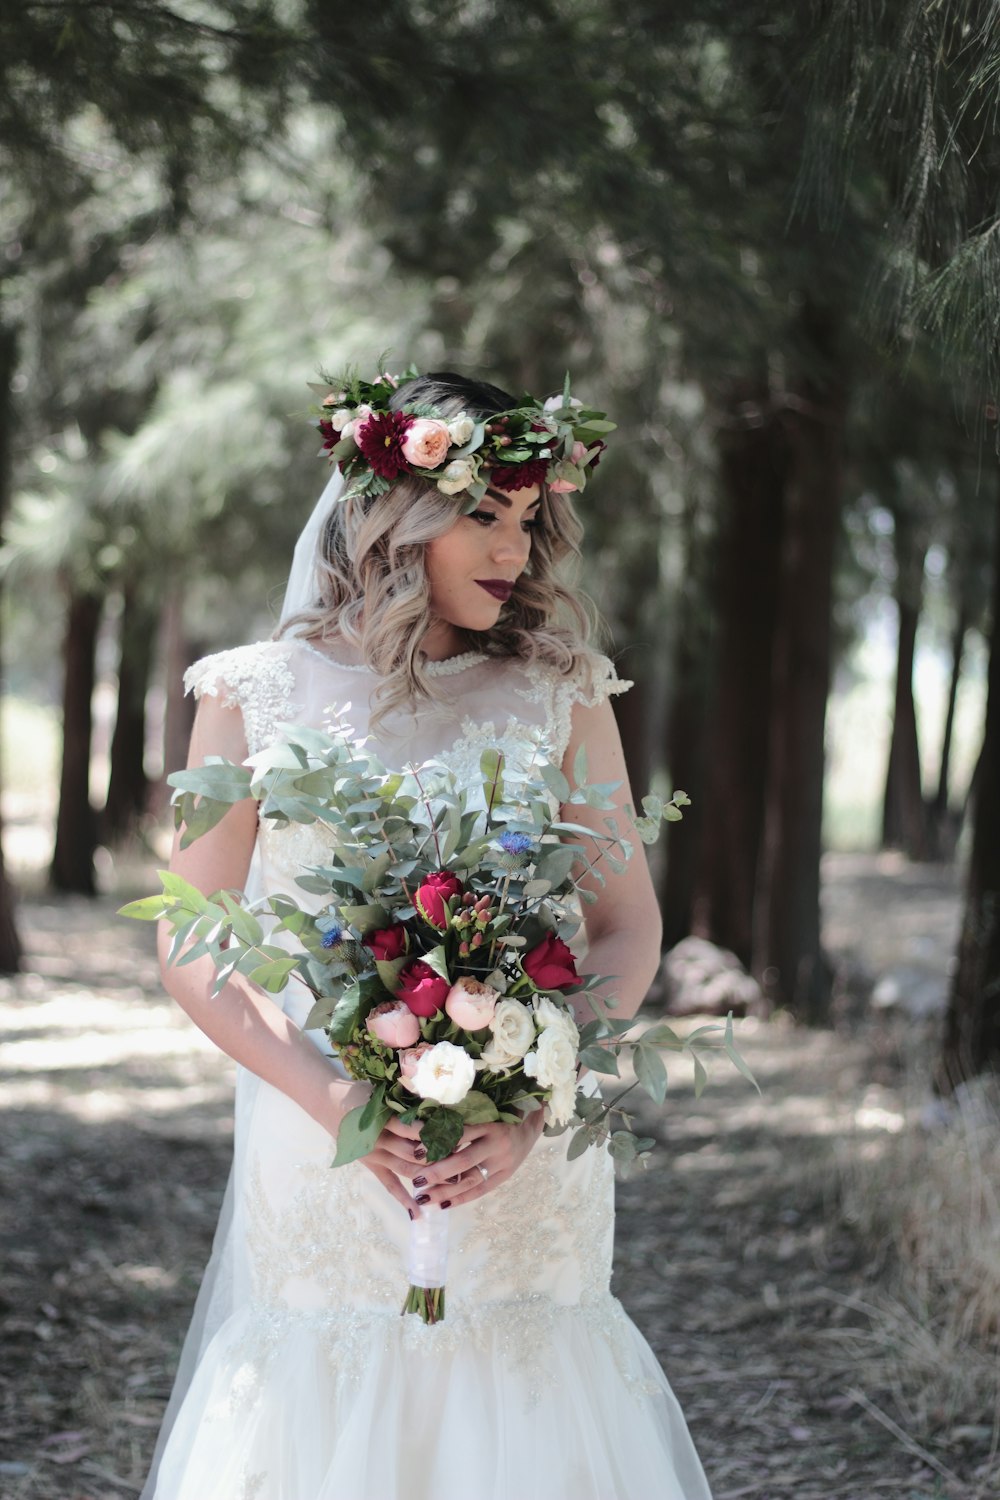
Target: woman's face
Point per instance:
(472, 568)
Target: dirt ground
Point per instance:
(732, 1254)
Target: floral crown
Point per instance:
(554, 442)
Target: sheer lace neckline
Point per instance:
(443, 668)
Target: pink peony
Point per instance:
(426, 443)
(387, 942)
(408, 1060)
(471, 1004)
(421, 989)
(431, 896)
(394, 1023)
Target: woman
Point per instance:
(436, 626)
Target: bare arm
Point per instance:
(242, 1020)
(624, 927)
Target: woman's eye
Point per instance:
(487, 517)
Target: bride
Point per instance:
(428, 613)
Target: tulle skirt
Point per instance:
(536, 1386)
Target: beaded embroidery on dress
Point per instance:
(303, 1380)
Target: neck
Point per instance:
(441, 641)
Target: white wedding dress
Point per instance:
(300, 1379)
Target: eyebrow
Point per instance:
(496, 495)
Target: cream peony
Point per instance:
(513, 1029)
(394, 1023)
(470, 1004)
(444, 1073)
(426, 443)
(460, 429)
(456, 476)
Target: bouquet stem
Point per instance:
(427, 1264)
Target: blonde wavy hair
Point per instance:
(373, 589)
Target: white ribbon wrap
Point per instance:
(427, 1252)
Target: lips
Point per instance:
(498, 587)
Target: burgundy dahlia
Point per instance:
(329, 434)
(511, 477)
(380, 439)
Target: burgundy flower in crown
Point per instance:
(380, 438)
(510, 477)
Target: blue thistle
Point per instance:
(332, 936)
(515, 843)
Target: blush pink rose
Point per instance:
(421, 989)
(408, 1060)
(567, 486)
(426, 443)
(393, 1023)
(470, 1004)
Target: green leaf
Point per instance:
(579, 1144)
(437, 960)
(650, 1071)
(700, 1075)
(244, 923)
(355, 1140)
(555, 781)
(273, 975)
(441, 1132)
(477, 1108)
(580, 765)
(148, 909)
(599, 1060)
(662, 1035)
(388, 970)
(183, 891)
(366, 918)
(319, 1017)
(491, 769)
(555, 866)
(345, 1015)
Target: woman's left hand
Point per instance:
(485, 1157)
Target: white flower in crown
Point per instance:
(444, 1073)
(460, 429)
(340, 418)
(556, 403)
(456, 476)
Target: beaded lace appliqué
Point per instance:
(256, 679)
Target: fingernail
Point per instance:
(411, 1213)
(420, 1182)
(446, 1203)
(424, 1198)
(420, 1152)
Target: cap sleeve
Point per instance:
(592, 683)
(257, 679)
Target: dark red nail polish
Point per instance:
(446, 1203)
(420, 1182)
(424, 1198)
(411, 1213)
(420, 1152)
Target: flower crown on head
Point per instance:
(555, 442)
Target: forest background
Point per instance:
(768, 242)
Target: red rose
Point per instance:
(431, 897)
(421, 989)
(550, 966)
(387, 942)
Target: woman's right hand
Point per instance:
(397, 1155)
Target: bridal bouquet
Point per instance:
(439, 959)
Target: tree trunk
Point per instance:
(904, 817)
(753, 470)
(788, 958)
(128, 786)
(76, 824)
(178, 713)
(972, 1028)
(10, 945)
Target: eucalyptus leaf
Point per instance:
(355, 1141)
(650, 1071)
(148, 909)
(579, 1144)
(273, 975)
(555, 781)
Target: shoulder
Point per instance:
(232, 675)
(590, 682)
(258, 680)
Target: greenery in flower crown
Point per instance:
(557, 441)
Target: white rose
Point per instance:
(341, 418)
(460, 429)
(348, 429)
(561, 1105)
(548, 1013)
(553, 1061)
(444, 1073)
(456, 476)
(556, 403)
(513, 1030)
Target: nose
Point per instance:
(511, 545)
